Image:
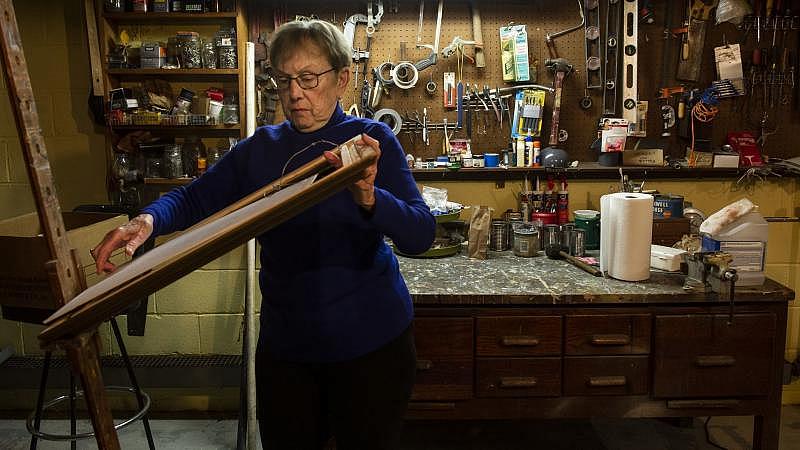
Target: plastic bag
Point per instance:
(726, 215)
(436, 199)
(732, 11)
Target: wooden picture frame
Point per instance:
(206, 241)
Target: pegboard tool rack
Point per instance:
(541, 18)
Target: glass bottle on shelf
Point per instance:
(173, 161)
(193, 152)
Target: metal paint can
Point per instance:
(499, 236)
(668, 206)
(566, 235)
(551, 236)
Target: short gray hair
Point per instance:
(324, 35)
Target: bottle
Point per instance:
(746, 240)
(537, 154)
(520, 152)
(192, 150)
(529, 151)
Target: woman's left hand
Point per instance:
(364, 189)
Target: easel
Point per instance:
(83, 350)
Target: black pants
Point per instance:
(360, 402)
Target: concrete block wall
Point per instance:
(56, 52)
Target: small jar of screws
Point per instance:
(189, 44)
(226, 56)
(209, 55)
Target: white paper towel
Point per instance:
(626, 232)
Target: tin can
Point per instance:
(499, 236)
(577, 242)
(551, 236)
(668, 206)
(566, 235)
(563, 207)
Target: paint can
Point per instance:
(668, 206)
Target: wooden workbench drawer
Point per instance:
(518, 377)
(443, 379)
(606, 375)
(702, 356)
(443, 336)
(608, 334)
(518, 336)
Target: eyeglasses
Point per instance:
(306, 80)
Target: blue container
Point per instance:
(491, 159)
(668, 207)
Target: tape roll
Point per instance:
(391, 118)
(430, 87)
(405, 68)
(384, 68)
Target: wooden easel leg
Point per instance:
(84, 356)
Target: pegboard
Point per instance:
(541, 18)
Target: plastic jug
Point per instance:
(746, 240)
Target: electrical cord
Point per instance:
(704, 111)
(708, 436)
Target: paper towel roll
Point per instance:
(626, 232)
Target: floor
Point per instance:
(597, 434)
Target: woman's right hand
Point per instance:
(131, 236)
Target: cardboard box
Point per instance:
(23, 278)
(643, 157)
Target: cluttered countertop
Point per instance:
(506, 279)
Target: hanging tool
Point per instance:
(560, 68)
(459, 103)
(691, 60)
(594, 76)
(469, 112)
(477, 35)
(630, 88)
(613, 18)
(667, 111)
(489, 98)
(549, 39)
(433, 57)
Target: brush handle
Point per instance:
(580, 264)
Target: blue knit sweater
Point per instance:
(331, 288)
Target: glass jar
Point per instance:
(176, 6)
(173, 162)
(209, 55)
(189, 50)
(122, 166)
(114, 5)
(192, 151)
(226, 56)
(152, 165)
(230, 114)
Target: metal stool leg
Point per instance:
(40, 399)
(134, 383)
(73, 427)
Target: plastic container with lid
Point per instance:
(746, 240)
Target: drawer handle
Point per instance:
(715, 361)
(694, 404)
(520, 341)
(607, 381)
(518, 382)
(431, 406)
(611, 339)
(424, 364)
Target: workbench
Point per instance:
(514, 338)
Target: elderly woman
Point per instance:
(336, 351)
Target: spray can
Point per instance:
(537, 154)
(563, 207)
(529, 151)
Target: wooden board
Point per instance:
(196, 247)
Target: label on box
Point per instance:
(643, 157)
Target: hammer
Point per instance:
(554, 251)
(560, 68)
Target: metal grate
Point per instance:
(138, 361)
